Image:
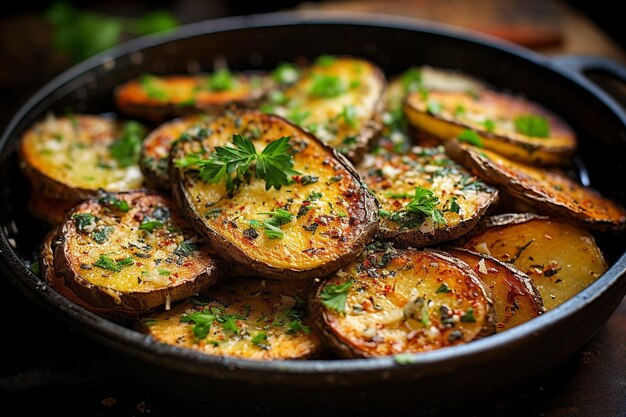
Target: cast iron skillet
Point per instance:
(395, 44)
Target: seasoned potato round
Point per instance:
(547, 190)
(246, 318)
(559, 258)
(515, 298)
(339, 100)
(159, 97)
(425, 197)
(391, 301)
(309, 227)
(72, 157)
(512, 126)
(132, 251)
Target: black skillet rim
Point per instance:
(139, 345)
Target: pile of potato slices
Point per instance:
(318, 210)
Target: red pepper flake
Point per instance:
(297, 179)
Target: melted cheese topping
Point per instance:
(404, 301)
(463, 110)
(188, 90)
(147, 260)
(552, 188)
(362, 86)
(75, 152)
(393, 178)
(328, 215)
(560, 259)
(270, 323)
(515, 300)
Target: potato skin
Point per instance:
(273, 311)
(51, 149)
(265, 260)
(391, 295)
(515, 298)
(560, 258)
(51, 211)
(392, 179)
(549, 191)
(140, 287)
(556, 149)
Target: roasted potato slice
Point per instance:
(310, 227)
(246, 318)
(132, 251)
(515, 298)
(548, 191)
(57, 283)
(339, 100)
(51, 211)
(155, 149)
(160, 97)
(70, 158)
(425, 197)
(559, 258)
(391, 301)
(512, 126)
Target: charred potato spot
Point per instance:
(549, 191)
(157, 97)
(503, 123)
(330, 216)
(393, 301)
(155, 149)
(245, 318)
(339, 101)
(132, 251)
(72, 157)
(559, 258)
(461, 199)
(515, 298)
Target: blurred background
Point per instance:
(39, 39)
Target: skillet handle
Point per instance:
(585, 64)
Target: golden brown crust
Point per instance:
(136, 260)
(401, 301)
(548, 190)
(559, 258)
(515, 298)
(250, 318)
(319, 239)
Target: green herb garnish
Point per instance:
(286, 73)
(221, 80)
(468, 317)
(443, 289)
(532, 125)
(327, 86)
(185, 249)
(273, 165)
(308, 179)
(348, 114)
(434, 107)
(411, 79)
(425, 202)
(112, 201)
(260, 340)
(102, 235)
(202, 323)
(127, 148)
(105, 262)
(151, 85)
(149, 224)
(489, 125)
(325, 60)
(84, 221)
(470, 137)
(334, 296)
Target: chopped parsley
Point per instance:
(443, 289)
(434, 107)
(411, 79)
(272, 225)
(127, 148)
(105, 262)
(111, 201)
(186, 248)
(297, 116)
(314, 196)
(102, 235)
(221, 80)
(286, 73)
(84, 221)
(202, 323)
(153, 88)
(334, 296)
(468, 316)
(149, 224)
(260, 340)
(490, 125)
(325, 60)
(425, 202)
(308, 179)
(470, 137)
(164, 272)
(532, 125)
(454, 206)
(348, 114)
(327, 86)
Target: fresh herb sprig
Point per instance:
(274, 164)
(334, 296)
(425, 202)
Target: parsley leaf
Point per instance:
(110, 200)
(434, 107)
(260, 340)
(186, 248)
(411, 79)
(308, 179)
(327, 86)
(490, 125)
(273, 165)
(325, 60)
(153, 88)
(348, 114)
(102, 235)
(202, 323)
(468, 317)
(272, 225)
(84, 221)
(149, 224)
(334, 296)
(126, 149)
(470, 137)
(532, 125)
(105, 262)
(425, 202)
(286, 73)
(221, 80)
(443, 289)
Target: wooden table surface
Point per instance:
(41, 377)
